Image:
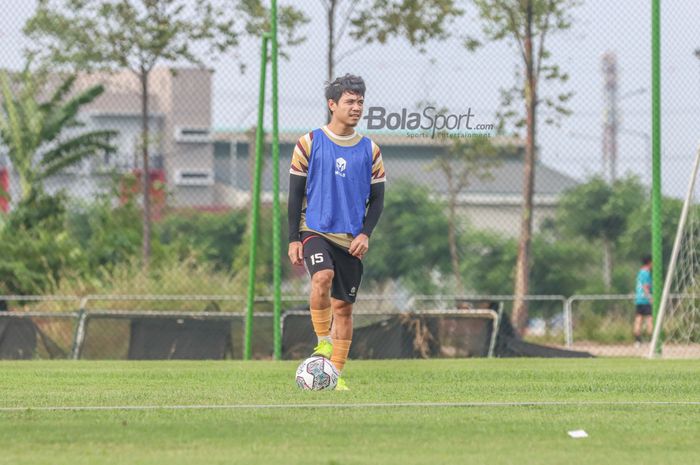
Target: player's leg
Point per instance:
(637, 328)
(320, 304)
(346, 283)
(650, 324)
(342, 332)
(319, 264)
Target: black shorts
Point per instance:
(321, 254)
(644, 309)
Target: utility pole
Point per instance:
(610, 114)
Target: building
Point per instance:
(212, 169)
(493, 204)
(180, 145)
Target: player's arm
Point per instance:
(297, 190)
(375, 206)
(360, 244)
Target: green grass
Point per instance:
(527, 434)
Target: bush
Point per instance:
(173, 277)
(108, 235)
(212, 235)
(35, 248)
(562, 267)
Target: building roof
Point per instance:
(112, 103)
(412, 159)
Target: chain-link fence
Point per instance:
(142, 327)
(102, 327)
(457, 220)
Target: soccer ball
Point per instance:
(316, 374)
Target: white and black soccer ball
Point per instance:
(316, 374)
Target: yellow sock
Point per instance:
(321, 319)
(341, 348)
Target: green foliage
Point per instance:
(34, 131)
(409, 243)
(636, 240)
(212, 235)
(508, 21)
(263, 268)
(605, 326)
(525, 25)
(378, 21)
(599, 210)
(109, 235)
(488, 264)
(137, 34)
(289, 23)
(561, 267)
(461, 162)
(127, 34)
(418, 22)
(36, 250)
(170, 275)
(621, 213)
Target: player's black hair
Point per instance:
(646, 259)
(348, 83)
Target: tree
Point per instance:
(137, 35)
(527, 24)
(36, 251)
(408, 244)
(109, 235)
(380, 20)
(289, 23)
(34, 131)
(636, 240)
(461, 162)
(598, 211)
(562, 265)
(213, 235)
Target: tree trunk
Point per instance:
(522, 266)
(146, 178)
(452, 234)
(607, 263)
(331, 40)
(331, 48)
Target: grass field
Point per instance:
(508, 411)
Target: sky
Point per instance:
(448, 75)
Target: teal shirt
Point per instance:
(643, 278)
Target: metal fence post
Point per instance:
(568, 322)
(80, 329)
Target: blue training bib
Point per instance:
(338, 184)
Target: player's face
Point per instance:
(348, 110)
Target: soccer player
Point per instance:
(336, 196)
(643, 300)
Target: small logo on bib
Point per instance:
(340, 165)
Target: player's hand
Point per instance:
(359, 246)
(296, 253)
